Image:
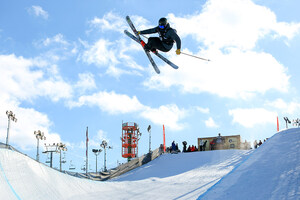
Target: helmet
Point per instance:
(162, 23)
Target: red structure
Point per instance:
(130, 134)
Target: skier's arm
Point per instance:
(149, 31)
(177, 39)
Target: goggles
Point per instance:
(161, 26)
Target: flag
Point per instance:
(164, 136)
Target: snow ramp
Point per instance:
(171, 176)
(270, 172)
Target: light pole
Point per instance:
(296, 122)
(286, 121)
(39, 136)
(104, 145)
(11, 116)
(61, 147)
(149, 131)
(96, 152)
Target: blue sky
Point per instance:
(68, 65)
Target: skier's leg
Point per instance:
(152, 43)
(155, 43)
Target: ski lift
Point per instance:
(83, 167)
(64, 158)
(48, 158)
(71, 167)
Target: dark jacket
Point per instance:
(167, 36)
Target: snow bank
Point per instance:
(270, 172)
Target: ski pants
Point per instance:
(155, 43)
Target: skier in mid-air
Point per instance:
(166, 38)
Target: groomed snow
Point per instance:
(270, 172)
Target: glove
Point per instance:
(178, 52)
(139, 32)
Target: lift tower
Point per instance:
(130, 138)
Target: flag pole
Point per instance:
(87, 146)
(164, 135)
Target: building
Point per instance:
(224, 142)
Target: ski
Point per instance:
(155, 53)
(139, 41)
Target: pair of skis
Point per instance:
(138, 39)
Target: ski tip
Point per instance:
(127, 17)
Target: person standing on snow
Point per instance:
(166, 38)
(201, 144)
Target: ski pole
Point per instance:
(144, 36)
(195, 56)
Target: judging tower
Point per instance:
(130, 138)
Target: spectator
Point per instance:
(173, 146)
(201, 144)
(204, 145)
(212, 145)
(176, 148)
(193, 148)
(184, 143)
(161, 148)
(189, 148)
(255, 144)
(260, 143)
(220, 139)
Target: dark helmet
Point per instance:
(163, 22)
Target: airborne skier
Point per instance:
(166, 38)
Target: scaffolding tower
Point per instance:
(130, 138)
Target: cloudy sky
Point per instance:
(68, 65)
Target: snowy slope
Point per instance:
(225, 174)
(271, 172)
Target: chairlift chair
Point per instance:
(71, 166)
(48, 159)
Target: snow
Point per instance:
(270, 172)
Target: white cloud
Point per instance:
(86, 82)
(28, 121)
(113, 103)
(251, 117)
(114, 22)
(101, 53)
(232, 23)
(24, 79)
(38, 11)
(96, 140)
(57, 39)
(234, 75)
(117, 56)
(210, 123)
(110, 102)
(109, 22)
(169, 115)
(203, 110)
(285, 107)
(229, 31)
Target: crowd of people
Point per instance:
(193, 147)
(258, 144)
(213, 145)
